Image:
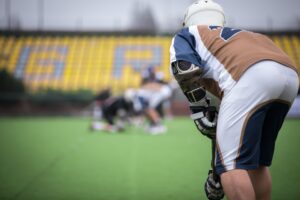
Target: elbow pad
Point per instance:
(204, 115)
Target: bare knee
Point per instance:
(237, 185)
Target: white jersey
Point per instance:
(223, 53)
(256, 81)
(152, 98)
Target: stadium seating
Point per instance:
(95, 62)
(290, 44)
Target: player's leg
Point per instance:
(108, 115)
(239, 150)
(159, 110)
(237, 185)
(240, 125)
(261, 178)
(262, 182)
(155, 127)
(153, 116)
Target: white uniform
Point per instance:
(153, 98)
(256, 82)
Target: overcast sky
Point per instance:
(111, 15)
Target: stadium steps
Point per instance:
(95, 62)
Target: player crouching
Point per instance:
(256, 83)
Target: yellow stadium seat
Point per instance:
(96, 62)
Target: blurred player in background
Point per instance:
(151, 100)
(256, 82)
(154, 95)
(98, 102)
(112, 113)
(115, 111)
(151, 75)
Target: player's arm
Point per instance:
(188, 77)
(204, 115)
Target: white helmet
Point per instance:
(129, 94)
(204, 12)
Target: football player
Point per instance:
(256, 83)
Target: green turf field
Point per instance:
(59, 158)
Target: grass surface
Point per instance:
(59, 158)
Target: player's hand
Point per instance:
(205, 119)
(213, 187)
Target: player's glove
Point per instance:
(205, 119)
(213, 187)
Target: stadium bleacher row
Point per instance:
(95, 62)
